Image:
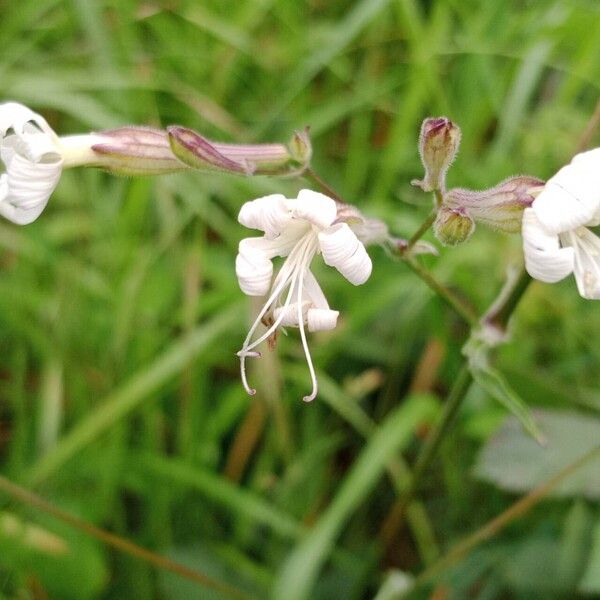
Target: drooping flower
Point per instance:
(296, 229)
(33, 157)
(32, 163)
(556, 238)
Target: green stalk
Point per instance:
(446, 294)
(499, 314)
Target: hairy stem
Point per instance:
(323, 185)
(500, 312)
(425, 225)
(462, 309)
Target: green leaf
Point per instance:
(494, 383)
(477, 351)
(513, 461)
(301, 569)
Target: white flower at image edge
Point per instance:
(32, 159)
(297, 229)
(556, 238)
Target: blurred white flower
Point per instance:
(32, 163)
(556, 238)
(33, 158)
(297, 229)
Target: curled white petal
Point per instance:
(321, 319)
(586, 247)
(343, 250)
(269, 214)
(571, 198)
(316, 208)
(289, 314)
(253, 268)
(33, 169)
(312, 291)
(15, 116)
(282, 245)
(544, 258)
(32, 163)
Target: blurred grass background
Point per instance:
(120, 314)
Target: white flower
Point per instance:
(33, 158)
(32, 163)
(297, 229)
(556, 238)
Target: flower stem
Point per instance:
(323, 185)
(462, 309)
(427, 453)
(427, 223)
(499, 314)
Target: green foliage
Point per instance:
(120, 314)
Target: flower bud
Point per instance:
(438, 145)
(500, 207)
(129, 151)
(300, 147)
(197, 152)
(453, 226)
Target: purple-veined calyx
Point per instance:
(198, 152)
(500, 207)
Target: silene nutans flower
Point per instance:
(557, 240)
(297, 229)
(33, 158)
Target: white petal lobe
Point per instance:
(316, 208)
(32, 163)
(586, 246)
(544, 258)
(254, 270)
(571, 198)
(29, 188)
(269, 214)
(16, 116)
(289, 314)
(313, 292)
(320, 319)
(343, 250)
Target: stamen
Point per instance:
(249, 390)
(311, 368)
(278, 287)
(287, 279)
